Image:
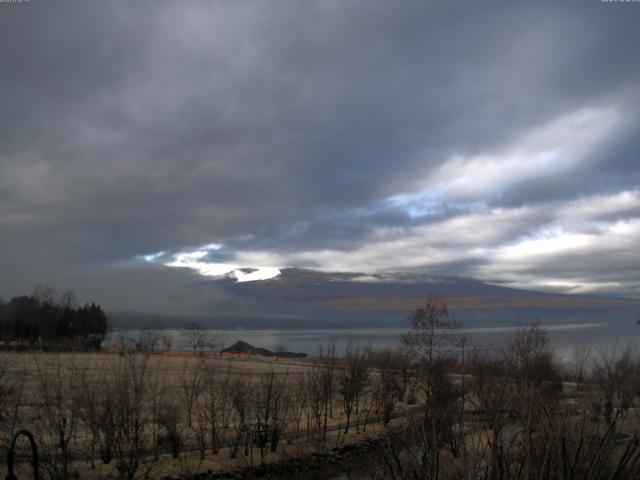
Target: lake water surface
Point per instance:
(605, 337)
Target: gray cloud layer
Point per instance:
(468, 138)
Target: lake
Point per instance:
(605, 337)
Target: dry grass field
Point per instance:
(105, 415)
(509, 413)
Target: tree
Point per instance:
(216, 341)
(150, 337)
(211, 405)
(57, 414)
(353, 376)
(579, 361)
(433, 335)
(387, 385)
(433, 331)
(194, 336)
(167, 342)
(533, 371)
(12, 390)
(191, 380)
(530, 355)
(43, 319)
(270, 409)
(129, 389)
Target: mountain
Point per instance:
(299, 298)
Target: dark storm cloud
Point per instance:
(287, 131)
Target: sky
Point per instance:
(147, 145)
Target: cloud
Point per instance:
(585, 246)
(552, 149)
(341, 135)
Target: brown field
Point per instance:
(140, 415)
(62, 399)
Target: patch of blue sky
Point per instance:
(151, 257)
(419, 204)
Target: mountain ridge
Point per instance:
(304, 298)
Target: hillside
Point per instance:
(300, 298)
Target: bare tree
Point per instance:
(300, 402)
(239, 396)
(517, 384)
(432, 330)
(226, 401)
(387, 389)
(531, 357)
(56, 421)
(216, 341)
(617, 373)
(353, 375)
(191, 387)
(12, 384)
(157, 391)
(432, 338)
(97, 411)
(130, 398)
(580, 357)
(210, 406)
(323, 384)
(171, 424)
(493, 392)
(149, 340)
(317, 393)
(167, 342)
(270, 410)
(195, 336)
(406, 360)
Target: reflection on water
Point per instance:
(603, 337)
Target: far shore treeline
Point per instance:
(46, 320)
